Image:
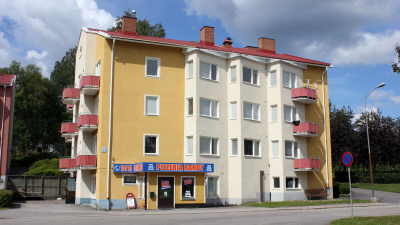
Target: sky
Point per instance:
(358, 37)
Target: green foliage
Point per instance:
(387, 220)
(365, 177)
(379, 187)
(45, 167)
(5, 198)
(143, 26)
(28, 161)
(344, 188)
(395, 65)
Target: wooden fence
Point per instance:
(37, 186)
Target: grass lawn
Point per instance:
(303, 203)
(387, 220)
(379, 187)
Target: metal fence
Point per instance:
(37, 186)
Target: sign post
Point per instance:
(347, 160)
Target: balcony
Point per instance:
(69, 108)
(69, 130)
(89, 85)
(70, 96)
(68, 140)
(86, 161)
(304, 95)
(308, 164)
(67, 164)
(87, 123)
(305, 129)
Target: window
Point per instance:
(150, 144)
(189, 103)
(212, 187)
(289, 80)
(129, 179)
(277, 183)
(94, 147)
(233, 74)
(292, 183)
(274, 113)
(189, 145)
(208, 71)
(291, 149)
(275, 149)
(208, 146)
(141, 187)
(273, 79)
(152, 105)
(208, 107)
(251, 111)
(188, 187)
(251, 147)
(97, 69)
(93, 187)
(250, 76)
(289, 113)
(234, 147)
(189, 69)
(152, 67)
(233, 110)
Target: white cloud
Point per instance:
(395, 99)
(32, 54)
(381, 94)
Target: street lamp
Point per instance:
(369, 148)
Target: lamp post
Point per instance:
(369, 148)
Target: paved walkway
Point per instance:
(383, 196)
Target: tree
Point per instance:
(143, 26)
(395, 65)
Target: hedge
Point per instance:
(45, 167)
(5, 198)
(365, 177)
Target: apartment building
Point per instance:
(187, 124)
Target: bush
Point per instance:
(365, 177)
(28, 161)
(6, 198)
(45, 167)
(344, 188)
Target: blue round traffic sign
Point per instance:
(347, 159)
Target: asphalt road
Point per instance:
(382, 196)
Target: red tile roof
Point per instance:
(216, 47)
(6, 78)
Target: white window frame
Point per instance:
(210, 153)
(233, 68)
(194, 188)
(129, 184)
(216, 187)
(253, 148)
(187, 145)
(211, 107)
(189, 69)
(293, 114)
(294, 179)
(188, 107)
(158, 67)
(292, 78)
(273, 155)
(271, 75)
(157, 144)
(253, 111)
(94, 146)
(271, 113)
(237, 147)
(273, 183)
(295, 149)
(158, 105)
(233, 110)
(210, 74)
(252, 76)
(142, 184)
(93, 186)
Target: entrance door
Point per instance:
(165, 192)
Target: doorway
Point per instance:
(165, 195)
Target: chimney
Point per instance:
(207, 36)
(228, 42)
(251, 48)
(266, 45)
(129, 25)
(118, 30)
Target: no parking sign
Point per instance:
(347, 160)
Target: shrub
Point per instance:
(365, 177)
(344, 188)
(45, 167)
(6, 198)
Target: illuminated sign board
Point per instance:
(163, 167)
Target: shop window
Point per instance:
(141, 187)
(128, 179)
(151, 144)
(292, 183)
(208, 71)
(277, 182)
(212, 187)
(251, 147)
(188, 187)
(153, 67)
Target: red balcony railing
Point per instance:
(89, 85)
(70, 95)
(305, 129)
(69, 130)
(86, 161)
(87, 122)
(67, 164)
(68, 140)
(308, 164)
(69, 108)
(304, 95)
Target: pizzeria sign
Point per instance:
(163, 167)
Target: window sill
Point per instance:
(252, 156)
(188, 78)
(188, 199)
(150, 154)
(148, 76)
(275, 157)
(252, 120)
(152, 115)
(209, 155)
(130, 184)
(209, 117)
(256, 85)
(189, 154)
(233, 155)
(274, 121)
(293, 189)
(208, 79)
(233, 118)
(189, 115)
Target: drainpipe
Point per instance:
(110, 126)
(2, 124)
(326, 138)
